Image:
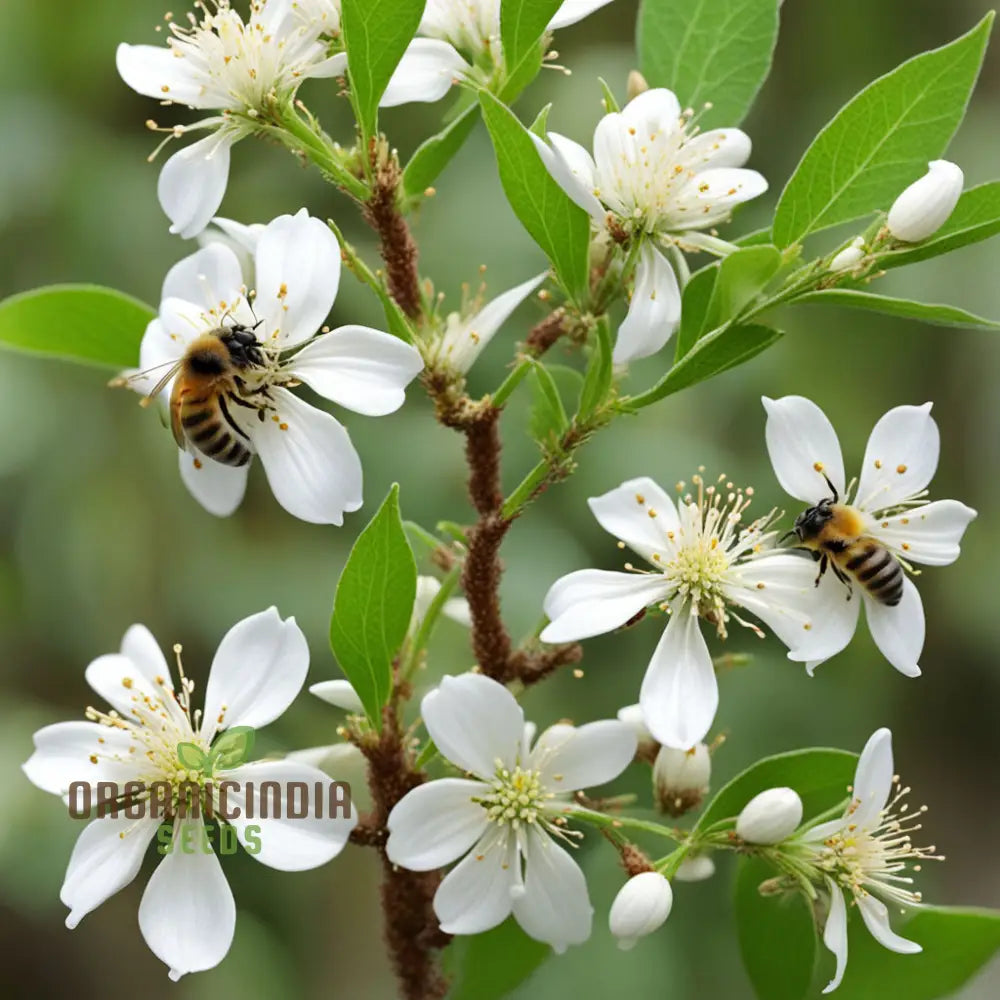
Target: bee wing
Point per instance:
(176, 399)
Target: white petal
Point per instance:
(477, 331)
(363, 369)
(924, 207)
(336, 65)
(555, 907)
(800, 438)
(872, 778)
(572, 168)
(476, 894)
(876, 917)
(588, 756)
(572, 11)
(298, 274)
(901, 457)
(193, 183)
(106, 857)
(594, 601)
(930, 534)
(208, 277)
(124, 685)
(654, 312)
(256, 673)
(309, 838)
(835, 934)
(218, 488)
(425, 73)
(64, 751)
(643, 903)
(436, 823)
(187, 914)
(680, 694)
(719, 147)
(695, 868)
(654, 110)
(154, 71)
(640, 514)
(899, 632)
(770, 817)
(339, 693)
(243, 239)
(474, 722)
(313, 469)
(711, 195)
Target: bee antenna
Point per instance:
(833, 489)
(787, 534)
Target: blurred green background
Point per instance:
(96, 530)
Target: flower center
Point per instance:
(516, 797)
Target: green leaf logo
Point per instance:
(191, 756)
(232, 748)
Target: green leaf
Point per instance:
(489, 966)
(717, 352)
(610, 101)
(939, 315)
(191, 756)
(436, 153)
(522, 24)
(84, 323)
(820, 776)
(976, 217)
(548, 417)
(597, 380)
(376, 34)
(372, 609)
(782, 972)
(233, 747)
(881, 140)
(694, 308)
(716, 51)
(957, 943)
(559, 227)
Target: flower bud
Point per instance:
(849, 256)
(695, 868)
(641, 906)
(631, 715)
(923, 208)
(339, 693)
(680, 778)
(770, 817)
(636, 85)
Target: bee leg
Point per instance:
(844, 579)
(823, 563)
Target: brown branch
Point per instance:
(544, 334)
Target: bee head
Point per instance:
(811, 521)
(243, 346)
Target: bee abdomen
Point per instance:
(877, 570)
(207, 429)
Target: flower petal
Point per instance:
(68, 752)
(363, 369)
(476, 894)
(126, 686)
(297, 274)
(193, 183)
(436, 823)
(187, 914)
(719, 147)
(426, 73)
(155, 71)
(474, 722)
(641, 514)
(835, 934)
(218, 488)
(313, 469)
(594, 601)
(900, 459)
(340, 694)
(106, 857)
(930, 534)
(256, 673)
(590, 755)
(481, 327)
(876, 917)
(572, 11)
(208, 277)
(656, 110)
(290, 843)
(654, 312)
(572, 168)
(803, 447)
(711, 195)
(336, 65)
(872, 778)
(554, 907)
(899, 631)
(680, 694)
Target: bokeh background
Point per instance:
(96, 530)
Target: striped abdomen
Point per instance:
(875, 568)
(201, 417)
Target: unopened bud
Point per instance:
(631, 715)
(642, 905)
(770, 817)
(695, 868)
(849, 256)
(923, 208)
(636, 85)
(680, 778)
(339, 693)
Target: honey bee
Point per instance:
(209, 378)
(834, 533)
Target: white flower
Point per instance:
(654, 175)
(924, 207)
(681, 777)
(631, 715)
(312, 467)
(770, 816)
(642, 905)
(503, 819)
(465, 338)
(187, 914)
(235, 68)
(705, 563)
(889, 506)
(455, 608)
(695, 868)
(340, 694)
(851, 255)
(458, 36)
(868, 851)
